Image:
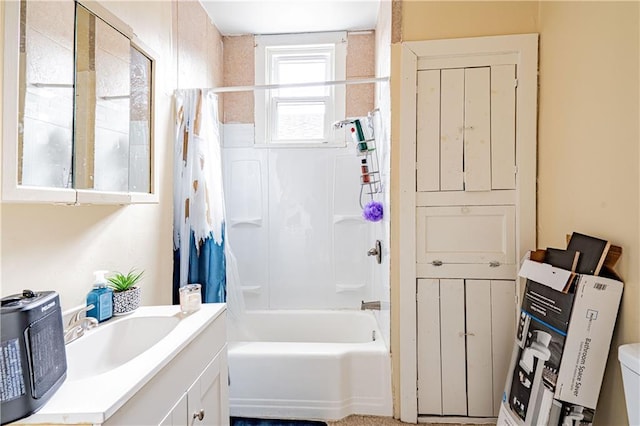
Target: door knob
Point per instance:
(199, 414)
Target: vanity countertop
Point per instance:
(93, 399)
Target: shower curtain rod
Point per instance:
(294, 85)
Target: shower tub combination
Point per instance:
(307, 364)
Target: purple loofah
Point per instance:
(373, 211)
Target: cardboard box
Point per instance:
(562, 345)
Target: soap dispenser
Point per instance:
(101, 297)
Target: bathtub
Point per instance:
(308, 364)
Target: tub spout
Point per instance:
(370, 305)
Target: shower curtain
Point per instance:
(198, 199)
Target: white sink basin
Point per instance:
(114, 343)
(113, 363)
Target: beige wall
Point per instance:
(588, 155)
(588, 175)
(361, 61)
(239, 70)
(199, 47)
(55, 247)
(430, 20)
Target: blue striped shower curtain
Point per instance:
(198, 217)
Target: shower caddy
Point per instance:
(362, 133)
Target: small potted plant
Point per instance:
(126, 295)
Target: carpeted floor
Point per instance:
(246, 421)
(354, 420)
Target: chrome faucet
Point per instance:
(376, 251)
(77, 325)
(375, 305)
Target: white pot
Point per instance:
(126, 301)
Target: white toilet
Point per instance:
(629, 356)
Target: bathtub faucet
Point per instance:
(370, 305)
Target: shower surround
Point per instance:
(296, 227)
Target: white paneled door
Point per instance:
(466, 129)
(470, 221)
(465, 336)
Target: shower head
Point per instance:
(340, 124)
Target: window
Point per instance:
(302, 113)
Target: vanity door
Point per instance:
(208, 398)
(178, 414)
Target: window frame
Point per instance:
(299, 46)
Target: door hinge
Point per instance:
(515, 83)
(515, 170)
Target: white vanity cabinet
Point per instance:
(207, 399)
(178, 377)
(205, 403)
(178, 414)
(194, 382)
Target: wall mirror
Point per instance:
(78, 106)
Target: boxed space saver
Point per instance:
(562, 343)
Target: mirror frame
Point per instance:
(16, 193)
